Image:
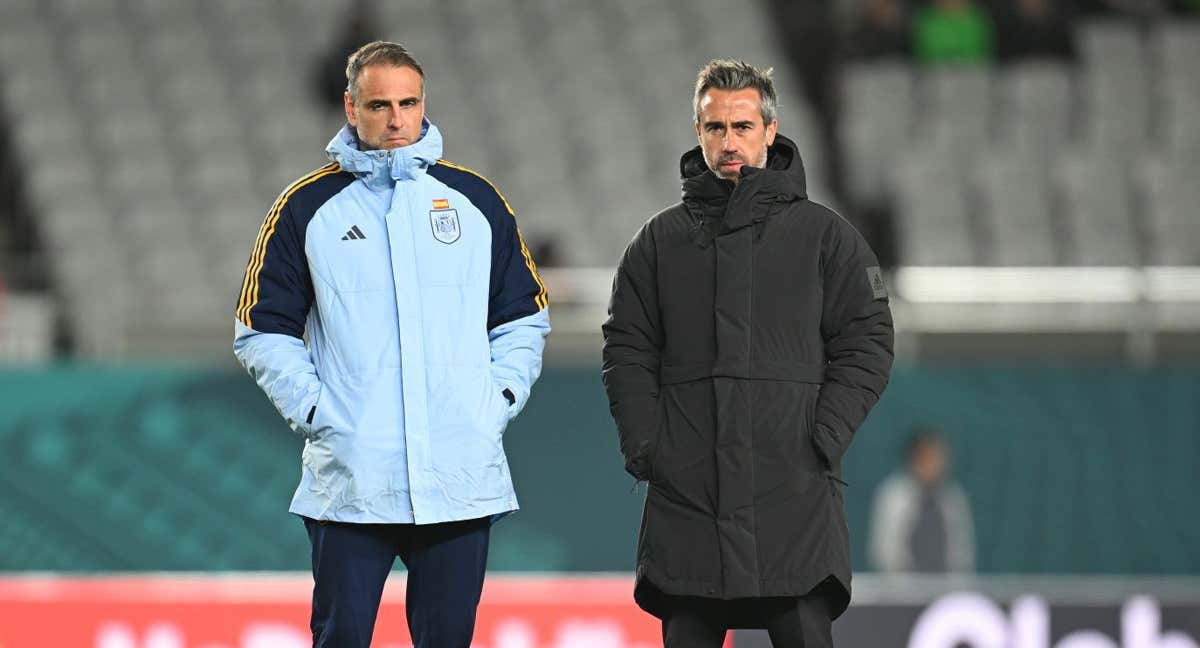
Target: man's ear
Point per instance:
(348, 104)
(771, 130)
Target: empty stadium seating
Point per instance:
(1120, 124)
(156, 133)
(876, 124)
(1096, 202)
(933, 221)
(160, 131)
(1171, 194)
(1013, 197)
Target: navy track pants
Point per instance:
(350, 563)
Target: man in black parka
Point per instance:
(748, 336)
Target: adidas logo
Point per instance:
(875, 278)
(354, 234)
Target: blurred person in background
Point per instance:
(3, 308)
(425, 320)
(329, 75)
(953, 31)
(879, 29)
(1034, 30)
(1136, 9)
(920, 519)
(749, 334)
(548, 250)
(805, 29)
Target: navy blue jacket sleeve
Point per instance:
(518, 313)
(277, 290)
(273, 307)
(516, 289)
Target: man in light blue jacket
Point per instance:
(425, 320)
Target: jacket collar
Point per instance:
(381, 169)
(707, 196)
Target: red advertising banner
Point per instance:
(271, 611)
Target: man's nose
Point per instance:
(396, 121)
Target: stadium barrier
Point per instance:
(270, 610)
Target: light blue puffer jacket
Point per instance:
(424, 316)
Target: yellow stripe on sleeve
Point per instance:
(543, 297)
(249, 295)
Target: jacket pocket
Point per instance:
(465, 408)
(500, 401)
(655, 441)
(310, 426)
(640, 453)
(828, 446)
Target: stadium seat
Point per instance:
(933, 225)
(954, 107)
(161, 15)
(101, 48)
(1176, 48)
(1170, 194)
(18, 16)
(133, 177)
(1110, 41)
(33, 87)
(1014, 205)
(167, 84)
(76, 18)
(876, 122)
(1115, 91)
(1097, 206)
(1036, 109)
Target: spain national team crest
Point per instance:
(445, 223)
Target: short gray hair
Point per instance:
(729, 74)
(378, 52)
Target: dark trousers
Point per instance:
(791, 622)
(445, 577)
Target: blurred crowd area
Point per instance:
(142, 141)
(1012, 133)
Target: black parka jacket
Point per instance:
(748, 336)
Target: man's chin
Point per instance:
(389, 144)
(729, 171)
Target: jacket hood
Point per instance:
(784, 172)
(379, 168)
(722, 206)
